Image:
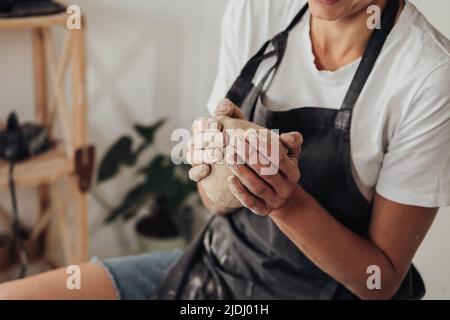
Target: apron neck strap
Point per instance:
(243, 84)
(244, 94)
(376, 43)
(297, 19)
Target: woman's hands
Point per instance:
(258, 191)
(206, 145)
(201, 147)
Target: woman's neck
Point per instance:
(340, 42)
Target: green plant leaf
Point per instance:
(131, 203)
(160, 175)
(160, 178)
(119, 153)
(166, 179)
(148, 132)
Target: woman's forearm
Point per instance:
(339, 252)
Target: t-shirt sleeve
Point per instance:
(228, 68)
(416, 165)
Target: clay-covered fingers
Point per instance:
(199, 172)
(268, 159)
(293, 142)
(194, 157)
(205, 124)
(257, 186)
(273, 190)
(246, 198)
(226, 108)
(207, 143)
(205, 147)
(197, 155)
(266, 171)
(207, 134)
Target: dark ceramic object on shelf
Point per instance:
(6, 5)
(28, 8)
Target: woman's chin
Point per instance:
(331, 10)
(328, 3)
(327, 15)
(325, 9)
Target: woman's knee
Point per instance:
(7, 291)
(53, 285)
(3, 292)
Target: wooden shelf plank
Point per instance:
(34, 22)
(45, 168)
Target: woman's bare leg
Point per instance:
(95, 284)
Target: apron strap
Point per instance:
(243, 87)
(376, 43)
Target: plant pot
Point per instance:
(6, 251)
(153, 244)
(153, 236)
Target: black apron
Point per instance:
(245, 256)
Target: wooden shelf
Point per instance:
(50, 72)
(34, 22)
(43, 169)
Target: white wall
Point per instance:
(157, 58)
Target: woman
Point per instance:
(365, 116)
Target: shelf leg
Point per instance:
(80, 128)
(81, 223)
(59, 210)
(40, 76)
(41, 97)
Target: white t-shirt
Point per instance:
(400, 133)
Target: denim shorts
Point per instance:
(139, 277)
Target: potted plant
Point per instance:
(161, 192)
